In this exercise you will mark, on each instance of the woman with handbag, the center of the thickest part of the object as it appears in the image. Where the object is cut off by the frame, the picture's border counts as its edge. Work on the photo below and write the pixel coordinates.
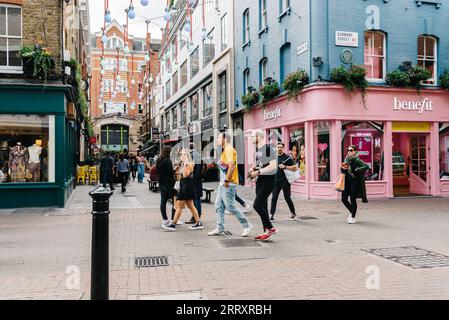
(354, 169)
(166, 173)
(286, 166)
(186, 192)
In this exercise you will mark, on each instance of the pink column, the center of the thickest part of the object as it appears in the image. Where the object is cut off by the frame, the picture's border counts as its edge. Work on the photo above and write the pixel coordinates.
(434, 161)
(335, 145)
(310, 155)
(388, 158)
(285, 137)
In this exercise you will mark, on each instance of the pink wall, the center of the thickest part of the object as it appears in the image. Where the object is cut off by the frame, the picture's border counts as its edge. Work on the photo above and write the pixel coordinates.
(334, 103)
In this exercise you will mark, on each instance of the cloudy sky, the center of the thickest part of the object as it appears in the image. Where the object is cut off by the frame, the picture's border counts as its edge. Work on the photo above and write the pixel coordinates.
(137, 26)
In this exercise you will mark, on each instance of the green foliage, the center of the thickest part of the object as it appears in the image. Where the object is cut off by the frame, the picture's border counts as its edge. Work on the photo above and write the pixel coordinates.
(295, 82)
(42, 60)
(354, 78)
(269, 90)
(417, 75)
(444, 80)
(250, 99)
(398, 78)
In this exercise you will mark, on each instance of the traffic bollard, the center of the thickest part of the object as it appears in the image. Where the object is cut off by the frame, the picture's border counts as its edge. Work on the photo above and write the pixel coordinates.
(99, 286)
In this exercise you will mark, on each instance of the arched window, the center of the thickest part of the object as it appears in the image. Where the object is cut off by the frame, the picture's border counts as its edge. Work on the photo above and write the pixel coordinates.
(285, 61)
(114, 42)
(263, 70)
(246, 26)
(375, 55)
(427, 56)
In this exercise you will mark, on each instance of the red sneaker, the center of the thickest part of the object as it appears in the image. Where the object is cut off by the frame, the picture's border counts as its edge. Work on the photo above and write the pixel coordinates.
(259, 238)
(272, 231)
(266, 237)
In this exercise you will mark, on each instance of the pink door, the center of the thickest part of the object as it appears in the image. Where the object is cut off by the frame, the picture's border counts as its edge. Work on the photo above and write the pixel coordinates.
(419, 164)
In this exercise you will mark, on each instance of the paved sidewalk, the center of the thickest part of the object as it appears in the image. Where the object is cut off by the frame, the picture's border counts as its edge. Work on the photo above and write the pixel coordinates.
(318, 258)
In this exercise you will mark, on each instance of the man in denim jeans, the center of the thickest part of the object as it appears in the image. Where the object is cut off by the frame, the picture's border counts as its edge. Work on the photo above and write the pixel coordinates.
(229, 180)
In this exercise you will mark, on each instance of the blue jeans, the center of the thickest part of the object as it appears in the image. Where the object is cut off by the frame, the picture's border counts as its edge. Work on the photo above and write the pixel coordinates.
(226, 200)
(140, 172)
(197, 203)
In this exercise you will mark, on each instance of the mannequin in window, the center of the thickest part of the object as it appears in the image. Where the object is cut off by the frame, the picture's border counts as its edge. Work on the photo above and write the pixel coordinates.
(34, 164)
(18, 163)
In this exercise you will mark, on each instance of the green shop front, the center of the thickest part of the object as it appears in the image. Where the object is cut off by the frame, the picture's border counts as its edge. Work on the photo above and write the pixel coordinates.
(38, 145)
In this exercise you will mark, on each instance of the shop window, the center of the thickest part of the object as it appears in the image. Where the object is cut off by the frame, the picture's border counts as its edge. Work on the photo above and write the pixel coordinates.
(27, 148)
(368, 137)
(444, 151)
(375, 55)
(275, 136)
(427, 56)
(321, 135)
(297, 147)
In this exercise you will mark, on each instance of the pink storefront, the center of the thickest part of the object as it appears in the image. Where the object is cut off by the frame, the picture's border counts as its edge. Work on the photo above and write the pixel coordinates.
(402, 136)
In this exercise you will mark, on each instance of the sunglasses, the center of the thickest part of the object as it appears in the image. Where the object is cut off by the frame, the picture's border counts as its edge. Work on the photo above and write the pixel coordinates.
(350, 150)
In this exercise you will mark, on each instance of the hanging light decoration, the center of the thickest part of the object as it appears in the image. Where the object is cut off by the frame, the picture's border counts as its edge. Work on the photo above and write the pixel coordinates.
(102, 72)
(144, 2)
(151, 78)
(187, 26)
(147, 57)
(126, 49)
(118, 77)
(204, 33)
(104, 38)
(131, 12)
(133, 82)
(167, 16)
(107, 16)
(103, 61)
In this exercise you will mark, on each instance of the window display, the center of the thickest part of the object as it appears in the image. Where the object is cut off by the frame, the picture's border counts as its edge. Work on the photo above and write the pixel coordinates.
(444, 150)
(27, 148)
(297, 147)
(321, 134)
(368, 137)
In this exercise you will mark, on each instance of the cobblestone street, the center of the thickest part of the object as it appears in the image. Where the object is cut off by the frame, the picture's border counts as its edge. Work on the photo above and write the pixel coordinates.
(316, 257)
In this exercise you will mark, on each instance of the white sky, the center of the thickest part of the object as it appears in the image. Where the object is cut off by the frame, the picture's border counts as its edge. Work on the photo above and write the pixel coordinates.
(137, 26)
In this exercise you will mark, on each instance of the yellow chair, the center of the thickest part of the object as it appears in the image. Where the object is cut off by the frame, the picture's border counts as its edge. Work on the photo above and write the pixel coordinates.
(93, 175)
(81, 175)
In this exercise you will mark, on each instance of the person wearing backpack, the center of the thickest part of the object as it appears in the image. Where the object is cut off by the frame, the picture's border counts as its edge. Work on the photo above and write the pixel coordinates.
(281, 182)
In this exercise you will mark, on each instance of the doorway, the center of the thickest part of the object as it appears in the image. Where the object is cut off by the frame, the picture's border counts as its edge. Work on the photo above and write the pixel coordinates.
(410, 164)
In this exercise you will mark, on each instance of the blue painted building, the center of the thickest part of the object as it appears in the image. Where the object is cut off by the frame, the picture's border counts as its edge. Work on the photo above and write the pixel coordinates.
(275, 37)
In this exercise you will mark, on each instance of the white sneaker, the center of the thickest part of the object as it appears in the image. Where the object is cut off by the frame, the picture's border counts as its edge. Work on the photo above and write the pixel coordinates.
(165, 222)
(215, 232)
(247, 231)
(352, 220)
(180, 222)
(227, 212)
(246, 208)
(348, 218)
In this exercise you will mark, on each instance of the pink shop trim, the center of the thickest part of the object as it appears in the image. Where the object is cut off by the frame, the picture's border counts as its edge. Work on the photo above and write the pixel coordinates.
(403, 136)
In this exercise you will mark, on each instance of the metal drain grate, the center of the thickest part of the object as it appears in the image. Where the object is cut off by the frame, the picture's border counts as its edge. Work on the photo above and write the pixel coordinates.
(413, 257)
(307, 218)
(148, 262)
(239, 243)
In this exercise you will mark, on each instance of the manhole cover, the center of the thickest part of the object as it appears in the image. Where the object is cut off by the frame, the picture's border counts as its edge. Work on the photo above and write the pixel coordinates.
(413, 257)
(147, 262)
(307, 218)
(238, 243)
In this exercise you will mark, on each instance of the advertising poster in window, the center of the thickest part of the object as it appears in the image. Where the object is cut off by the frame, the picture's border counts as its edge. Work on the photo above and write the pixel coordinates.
(364, 143)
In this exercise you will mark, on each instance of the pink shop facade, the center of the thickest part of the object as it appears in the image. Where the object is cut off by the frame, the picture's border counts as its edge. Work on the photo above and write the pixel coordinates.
(403, 136)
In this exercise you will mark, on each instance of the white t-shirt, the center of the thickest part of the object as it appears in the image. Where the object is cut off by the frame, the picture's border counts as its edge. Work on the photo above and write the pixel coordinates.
(34, 152)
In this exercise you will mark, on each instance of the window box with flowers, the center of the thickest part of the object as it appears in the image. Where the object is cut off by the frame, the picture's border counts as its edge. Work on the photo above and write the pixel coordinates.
(295, 82)
(250, 99)
(353, 78)
(413, 77)
(38, 60)
(444, 80)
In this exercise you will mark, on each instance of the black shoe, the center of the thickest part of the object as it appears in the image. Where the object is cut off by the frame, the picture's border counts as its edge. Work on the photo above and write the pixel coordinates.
(170, 227)
(112, 189)
(197, 226)
(191, 221)
(272, 217)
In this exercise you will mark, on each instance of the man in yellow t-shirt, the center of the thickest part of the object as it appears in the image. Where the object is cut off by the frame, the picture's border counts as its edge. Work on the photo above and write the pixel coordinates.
(229, 180)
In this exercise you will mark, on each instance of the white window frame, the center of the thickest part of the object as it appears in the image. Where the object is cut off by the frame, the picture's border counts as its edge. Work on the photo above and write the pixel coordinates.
(246, 75)
(423, 58)
(285, 5)
(384, 56)
(109, 44)
(263, 70)
(246, 33)
(263, 14)
(7, 68)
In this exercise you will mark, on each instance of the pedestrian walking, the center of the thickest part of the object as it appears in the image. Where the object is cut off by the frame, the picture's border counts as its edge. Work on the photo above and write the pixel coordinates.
(227, 189)
(164, 167)
(133, 166)
(106, 168)
(264, 170)
(123, 171)
(186, 192)
(198, 172)
(140, 169)
(354, 169)
(285, 162)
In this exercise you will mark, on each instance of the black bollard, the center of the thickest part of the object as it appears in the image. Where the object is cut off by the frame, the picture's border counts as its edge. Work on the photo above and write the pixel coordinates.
(99, 286)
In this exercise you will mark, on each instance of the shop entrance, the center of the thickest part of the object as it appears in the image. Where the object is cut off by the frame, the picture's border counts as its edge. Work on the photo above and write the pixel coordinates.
(410, 164)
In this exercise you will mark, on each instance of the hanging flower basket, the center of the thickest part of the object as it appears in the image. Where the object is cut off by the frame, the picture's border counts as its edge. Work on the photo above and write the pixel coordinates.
(41, 61)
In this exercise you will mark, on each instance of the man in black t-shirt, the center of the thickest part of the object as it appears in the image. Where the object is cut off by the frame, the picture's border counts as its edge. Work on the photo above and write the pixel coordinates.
(264, 170)
(285, 162)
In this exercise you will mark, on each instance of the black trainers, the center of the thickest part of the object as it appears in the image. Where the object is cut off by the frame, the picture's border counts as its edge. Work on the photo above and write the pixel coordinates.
(170, 227)
(191, 221)
(272, 217)
(197, 226)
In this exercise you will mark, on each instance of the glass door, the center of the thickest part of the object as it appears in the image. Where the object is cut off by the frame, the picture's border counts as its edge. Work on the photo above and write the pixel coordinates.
(419, 171)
